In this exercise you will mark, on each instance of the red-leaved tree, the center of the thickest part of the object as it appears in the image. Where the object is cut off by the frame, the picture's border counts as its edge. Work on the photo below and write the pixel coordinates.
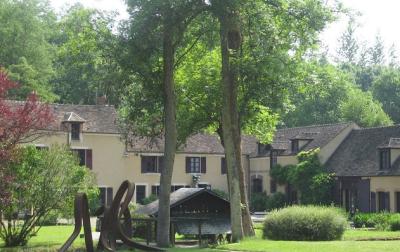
(20, 122)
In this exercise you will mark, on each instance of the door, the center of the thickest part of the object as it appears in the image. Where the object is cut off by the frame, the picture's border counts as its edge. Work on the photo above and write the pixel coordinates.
(140, 193)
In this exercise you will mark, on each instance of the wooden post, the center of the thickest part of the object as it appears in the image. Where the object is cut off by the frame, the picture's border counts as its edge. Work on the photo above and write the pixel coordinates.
(172, 233)
(148, 231)
(200, 241)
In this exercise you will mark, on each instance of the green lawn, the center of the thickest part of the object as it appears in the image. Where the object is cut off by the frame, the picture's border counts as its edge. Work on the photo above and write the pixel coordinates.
(50, 239)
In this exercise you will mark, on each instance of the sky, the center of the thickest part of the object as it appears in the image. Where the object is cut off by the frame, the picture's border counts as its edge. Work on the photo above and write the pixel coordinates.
(377, 16)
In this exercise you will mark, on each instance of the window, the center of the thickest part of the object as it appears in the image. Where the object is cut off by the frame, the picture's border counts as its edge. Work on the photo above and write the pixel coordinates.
(272, 186)
(223, 165)
(383, 201)
(75, 131)
(106, 196)
(295, 146)
(384, 156)
(196, 165)
(256, 185)
(274, 158)
(152, 164)
(155, 190)
(85, 157)
(140, 193)
(176, 187)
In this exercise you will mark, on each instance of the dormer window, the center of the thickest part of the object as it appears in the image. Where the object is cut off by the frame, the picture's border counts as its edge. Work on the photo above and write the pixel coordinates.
(295, 145)
(384, 156)
(75, 131)
(74, 124)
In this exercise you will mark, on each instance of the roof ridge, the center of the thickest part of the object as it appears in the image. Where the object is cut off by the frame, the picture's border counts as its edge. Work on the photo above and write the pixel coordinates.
(378, 127)
(317, 125)
(64, 104)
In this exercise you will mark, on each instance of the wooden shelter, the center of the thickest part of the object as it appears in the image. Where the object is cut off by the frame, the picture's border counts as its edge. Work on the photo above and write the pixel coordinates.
(195, 211)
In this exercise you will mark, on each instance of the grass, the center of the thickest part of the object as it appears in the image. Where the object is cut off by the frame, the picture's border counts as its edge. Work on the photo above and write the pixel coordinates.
(51, 238)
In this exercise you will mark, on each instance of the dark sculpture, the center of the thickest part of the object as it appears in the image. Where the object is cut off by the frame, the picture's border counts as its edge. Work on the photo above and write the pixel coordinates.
(111, 226)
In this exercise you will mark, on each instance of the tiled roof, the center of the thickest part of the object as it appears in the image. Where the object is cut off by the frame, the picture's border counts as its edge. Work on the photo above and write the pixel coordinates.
(95, 118)
(199, 143)
(358, 154)
(318, 136)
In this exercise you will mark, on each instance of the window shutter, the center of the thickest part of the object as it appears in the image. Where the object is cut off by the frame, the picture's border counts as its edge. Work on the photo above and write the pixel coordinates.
(223, 165)
(109, 196)
(203, 163)
(102, 196)
(89, 159)
(187, 164)
(143, 164)
(387, 201)
(160, 164)
(373, 202)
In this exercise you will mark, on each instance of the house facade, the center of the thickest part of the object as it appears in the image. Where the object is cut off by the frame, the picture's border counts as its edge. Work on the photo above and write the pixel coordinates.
(365, 161)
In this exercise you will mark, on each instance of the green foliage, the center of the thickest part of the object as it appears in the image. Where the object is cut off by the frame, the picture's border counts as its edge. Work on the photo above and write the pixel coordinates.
(308, 176)
(258, 201)
(26, 30)
(362, 109)
(380, 221)
(86, 57)
(305, 223)
(281, 173)
(386, 89)
(149, 199)
(45, 181)
(264, 202)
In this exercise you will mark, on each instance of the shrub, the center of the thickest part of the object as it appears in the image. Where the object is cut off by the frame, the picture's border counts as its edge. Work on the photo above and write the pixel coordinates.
(275, 201)
(258, 202)
(381, 221)
(305, 223)
(149, 199)
(395, 222)
(45, 181)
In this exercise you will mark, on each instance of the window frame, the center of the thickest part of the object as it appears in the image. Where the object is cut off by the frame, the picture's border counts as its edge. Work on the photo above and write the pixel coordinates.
(384, 159)
(158, 164)
(75, 131)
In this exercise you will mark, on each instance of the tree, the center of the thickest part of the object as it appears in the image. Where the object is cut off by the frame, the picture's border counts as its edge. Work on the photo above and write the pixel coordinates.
(44, 181)
(169, 20)
(20, 122)
(25, 45)
(361, 108)
(86, 59)
(230, 37)
(386, 89)
(377, 51)
(349, 46)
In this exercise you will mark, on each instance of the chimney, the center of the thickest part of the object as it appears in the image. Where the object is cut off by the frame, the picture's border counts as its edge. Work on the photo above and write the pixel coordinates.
(101, 100)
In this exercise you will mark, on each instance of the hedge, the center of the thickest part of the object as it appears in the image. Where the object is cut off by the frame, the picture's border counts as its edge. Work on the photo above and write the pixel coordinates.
(305, 223)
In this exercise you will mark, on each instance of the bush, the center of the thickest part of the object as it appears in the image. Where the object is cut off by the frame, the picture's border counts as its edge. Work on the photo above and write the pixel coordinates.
(149, 199)
(258, 202)
(395, 222)
(275, 201)
(381, 221)
(305, 223)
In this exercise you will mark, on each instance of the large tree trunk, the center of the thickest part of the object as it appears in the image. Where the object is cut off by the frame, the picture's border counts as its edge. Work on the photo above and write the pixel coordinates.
(163, 220)
(231, 129)
(248, 229)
